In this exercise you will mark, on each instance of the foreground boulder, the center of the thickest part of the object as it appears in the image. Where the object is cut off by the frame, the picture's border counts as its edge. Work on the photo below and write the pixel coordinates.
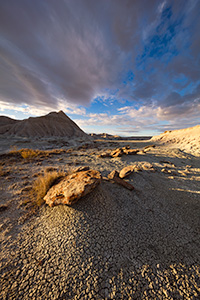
(72, 187)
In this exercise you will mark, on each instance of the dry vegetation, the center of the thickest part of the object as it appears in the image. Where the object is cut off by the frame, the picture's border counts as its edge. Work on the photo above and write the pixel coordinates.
(42, 184)
(3, 172)
(30, 154)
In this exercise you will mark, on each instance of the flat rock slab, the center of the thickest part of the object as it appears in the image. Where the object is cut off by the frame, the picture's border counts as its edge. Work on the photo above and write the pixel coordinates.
(72, 187)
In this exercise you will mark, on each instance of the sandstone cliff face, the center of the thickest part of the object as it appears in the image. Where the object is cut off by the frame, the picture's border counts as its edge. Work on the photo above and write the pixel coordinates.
(53, 124)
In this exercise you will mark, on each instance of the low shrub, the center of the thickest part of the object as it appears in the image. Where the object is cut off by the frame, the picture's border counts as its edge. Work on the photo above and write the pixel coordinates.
(29, 153)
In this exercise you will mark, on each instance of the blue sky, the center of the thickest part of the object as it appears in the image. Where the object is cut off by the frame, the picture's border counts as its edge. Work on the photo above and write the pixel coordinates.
(118, 66)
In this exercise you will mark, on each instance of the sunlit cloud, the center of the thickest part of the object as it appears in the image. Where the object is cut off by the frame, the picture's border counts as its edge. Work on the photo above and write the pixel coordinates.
(93, 57)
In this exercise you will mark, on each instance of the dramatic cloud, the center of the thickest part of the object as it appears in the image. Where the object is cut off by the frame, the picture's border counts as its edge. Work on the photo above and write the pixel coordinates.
(70, 54)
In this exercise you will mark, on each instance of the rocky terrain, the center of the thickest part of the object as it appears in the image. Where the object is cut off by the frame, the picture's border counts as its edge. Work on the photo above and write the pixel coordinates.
(131, 229)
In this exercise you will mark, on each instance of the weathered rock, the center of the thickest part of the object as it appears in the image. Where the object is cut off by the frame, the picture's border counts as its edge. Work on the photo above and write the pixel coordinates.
(117, 153)
(125, 147)
(114, 175)
(167, 164)
(126, 171)
(103, 155)
(131, 151)
(124, 183)
(172, 172)
(105, 178)
(164, 170)
(148, 166)
(137, 169)
(143, 165)
(72, 187)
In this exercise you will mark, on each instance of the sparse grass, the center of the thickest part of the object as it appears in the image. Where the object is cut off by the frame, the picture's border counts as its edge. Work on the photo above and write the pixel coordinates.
(30, 154)
(42, 184)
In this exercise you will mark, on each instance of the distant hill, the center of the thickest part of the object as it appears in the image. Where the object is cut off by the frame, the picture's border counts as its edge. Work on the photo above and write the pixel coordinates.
(187, 139)
(117, 137)
(54, 124)
(5, 121)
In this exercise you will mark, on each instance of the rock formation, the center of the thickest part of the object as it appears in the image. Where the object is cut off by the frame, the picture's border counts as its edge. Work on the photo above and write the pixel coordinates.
(52, 125)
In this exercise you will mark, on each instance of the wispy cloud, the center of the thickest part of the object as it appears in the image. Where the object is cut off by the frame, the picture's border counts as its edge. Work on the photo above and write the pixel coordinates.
(64, 54)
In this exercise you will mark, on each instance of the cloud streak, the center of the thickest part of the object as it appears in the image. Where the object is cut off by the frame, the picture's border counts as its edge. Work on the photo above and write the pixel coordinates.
(65, 53)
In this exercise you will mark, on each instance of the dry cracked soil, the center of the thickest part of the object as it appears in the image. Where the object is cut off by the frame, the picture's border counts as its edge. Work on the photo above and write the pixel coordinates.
(113, 243)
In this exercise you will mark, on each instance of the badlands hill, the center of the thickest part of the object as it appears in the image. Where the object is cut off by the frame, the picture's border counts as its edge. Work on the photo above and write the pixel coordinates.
(6, 121)
(56, 124)
(185, 139)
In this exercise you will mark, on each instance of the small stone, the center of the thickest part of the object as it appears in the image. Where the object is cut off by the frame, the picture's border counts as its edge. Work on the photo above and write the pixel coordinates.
(126, 171)
(131, 151)
(124, 183)
(113, 174)
(103, 155)
(126, 147)
(117, 153)
(137, 169)
(148, 166)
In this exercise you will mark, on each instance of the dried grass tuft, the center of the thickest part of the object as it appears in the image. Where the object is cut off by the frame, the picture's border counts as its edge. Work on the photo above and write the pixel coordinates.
(42, 184)
(29, 153)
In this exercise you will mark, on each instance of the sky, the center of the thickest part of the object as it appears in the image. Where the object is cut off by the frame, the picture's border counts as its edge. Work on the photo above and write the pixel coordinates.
(125, 67)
